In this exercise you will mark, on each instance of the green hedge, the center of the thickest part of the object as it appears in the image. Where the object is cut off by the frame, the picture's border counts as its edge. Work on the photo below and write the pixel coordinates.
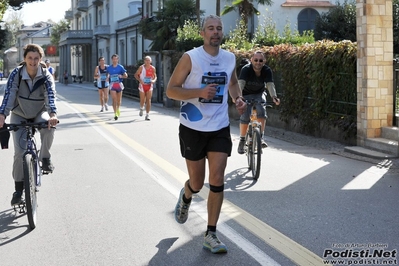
(316, 82)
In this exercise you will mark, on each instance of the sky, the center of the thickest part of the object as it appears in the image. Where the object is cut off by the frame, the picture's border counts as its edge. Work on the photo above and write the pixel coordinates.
(42, 11)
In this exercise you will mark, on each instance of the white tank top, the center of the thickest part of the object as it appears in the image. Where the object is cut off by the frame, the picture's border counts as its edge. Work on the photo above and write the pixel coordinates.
(212, 115)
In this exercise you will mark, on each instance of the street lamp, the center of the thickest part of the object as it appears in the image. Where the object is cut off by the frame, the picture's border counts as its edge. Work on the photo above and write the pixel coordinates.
(77, 52)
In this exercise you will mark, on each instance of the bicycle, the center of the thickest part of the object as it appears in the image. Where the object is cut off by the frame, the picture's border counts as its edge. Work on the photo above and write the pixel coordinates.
(31, 168)
(253, 139)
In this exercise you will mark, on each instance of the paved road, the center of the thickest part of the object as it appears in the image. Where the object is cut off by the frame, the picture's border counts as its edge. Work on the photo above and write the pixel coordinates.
(111, 198)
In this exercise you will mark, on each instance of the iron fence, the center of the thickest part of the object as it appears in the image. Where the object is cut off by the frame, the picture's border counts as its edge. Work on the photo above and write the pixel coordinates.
(396, 91)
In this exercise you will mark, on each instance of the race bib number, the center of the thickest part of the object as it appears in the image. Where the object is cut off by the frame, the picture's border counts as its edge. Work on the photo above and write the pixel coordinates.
(218, 78)
(103, 77)
(147, 80)
(114, 78)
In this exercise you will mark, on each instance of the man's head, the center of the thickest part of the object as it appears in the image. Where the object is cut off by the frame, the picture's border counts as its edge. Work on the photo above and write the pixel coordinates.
(258, 60)
(147, 60)
(212, 30)
(115, 59)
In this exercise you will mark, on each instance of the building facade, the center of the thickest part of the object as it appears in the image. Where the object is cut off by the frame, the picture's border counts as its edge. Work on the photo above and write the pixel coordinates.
(38, 33)
(107, 27)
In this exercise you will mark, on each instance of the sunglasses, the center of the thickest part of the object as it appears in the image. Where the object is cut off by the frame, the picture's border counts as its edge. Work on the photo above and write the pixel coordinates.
(258, 60)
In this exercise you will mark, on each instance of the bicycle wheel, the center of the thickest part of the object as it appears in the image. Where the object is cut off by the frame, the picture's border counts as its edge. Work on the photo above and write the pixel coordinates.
(256, 153)
(248, 149)
(30, 172)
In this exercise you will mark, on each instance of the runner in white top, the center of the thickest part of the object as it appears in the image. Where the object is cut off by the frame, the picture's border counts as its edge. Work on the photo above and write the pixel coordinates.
(202, 80)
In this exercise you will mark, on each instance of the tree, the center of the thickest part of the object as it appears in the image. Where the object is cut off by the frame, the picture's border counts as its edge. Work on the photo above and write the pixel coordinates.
(18, 4)
(3, 39)
(337, 24)
(162, 28)
(245, 8)
(13, 25)
(15, 4)
(57, 29)
(197, 7)
(340, 24)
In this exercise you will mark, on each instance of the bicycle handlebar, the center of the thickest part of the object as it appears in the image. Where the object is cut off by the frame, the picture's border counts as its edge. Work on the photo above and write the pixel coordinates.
(252, 102)
(15, 127)
(5, 130)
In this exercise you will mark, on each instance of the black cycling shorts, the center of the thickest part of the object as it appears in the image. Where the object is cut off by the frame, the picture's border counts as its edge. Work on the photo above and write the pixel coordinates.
(194, 145)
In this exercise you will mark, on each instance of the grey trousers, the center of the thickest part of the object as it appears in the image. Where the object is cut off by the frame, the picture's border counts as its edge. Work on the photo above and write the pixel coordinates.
(19, 139)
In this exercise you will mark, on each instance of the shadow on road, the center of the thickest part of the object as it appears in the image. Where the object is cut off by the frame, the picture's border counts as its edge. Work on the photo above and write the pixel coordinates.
(239, 179)
(10, 228)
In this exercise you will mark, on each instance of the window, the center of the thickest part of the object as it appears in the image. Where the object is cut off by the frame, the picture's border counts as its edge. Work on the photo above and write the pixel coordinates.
(122, 52)
(133, 45)
(148, 8)
(306, 19)
(108, 23)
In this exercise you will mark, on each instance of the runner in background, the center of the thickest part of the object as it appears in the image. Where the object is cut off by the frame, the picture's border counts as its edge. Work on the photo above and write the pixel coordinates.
(102, 77)
(146, 76)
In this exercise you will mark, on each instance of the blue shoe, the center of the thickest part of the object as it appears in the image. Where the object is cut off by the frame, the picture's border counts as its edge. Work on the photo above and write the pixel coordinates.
(212, 243)
(181, 209)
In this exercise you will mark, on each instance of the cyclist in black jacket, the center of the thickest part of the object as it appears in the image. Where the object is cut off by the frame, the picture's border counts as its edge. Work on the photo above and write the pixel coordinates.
(254, 78)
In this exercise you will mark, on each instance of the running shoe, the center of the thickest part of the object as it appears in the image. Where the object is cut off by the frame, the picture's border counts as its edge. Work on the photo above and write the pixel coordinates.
(181, 209)
(241, 145)
(106, 107)
(264, 144)
(116, 117)
(17, 198)
(141, 112)
(212, 243)
(147, 117)
(118, 113)
(102, 109)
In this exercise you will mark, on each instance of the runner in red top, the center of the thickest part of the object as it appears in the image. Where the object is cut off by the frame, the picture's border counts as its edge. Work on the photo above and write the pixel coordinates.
(147, 76)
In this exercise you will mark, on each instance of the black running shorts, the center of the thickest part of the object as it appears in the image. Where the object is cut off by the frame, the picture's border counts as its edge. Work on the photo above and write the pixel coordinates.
(194, 145)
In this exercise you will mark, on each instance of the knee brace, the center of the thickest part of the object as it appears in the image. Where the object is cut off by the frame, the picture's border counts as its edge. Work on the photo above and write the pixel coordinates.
(216, 189)
(189, 187)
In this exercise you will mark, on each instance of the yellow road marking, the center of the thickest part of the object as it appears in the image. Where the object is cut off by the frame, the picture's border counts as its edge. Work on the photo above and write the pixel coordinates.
(288, 247)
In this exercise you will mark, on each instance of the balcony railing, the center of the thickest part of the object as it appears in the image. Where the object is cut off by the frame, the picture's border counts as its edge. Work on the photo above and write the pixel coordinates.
(68, 15)
(83, 5)
(102, 30)
(77, 13)
(98, 2)
(129, 21)
(76, 34)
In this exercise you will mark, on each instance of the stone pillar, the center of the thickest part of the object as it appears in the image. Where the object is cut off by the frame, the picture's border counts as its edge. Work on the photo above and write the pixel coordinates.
(374, 67)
